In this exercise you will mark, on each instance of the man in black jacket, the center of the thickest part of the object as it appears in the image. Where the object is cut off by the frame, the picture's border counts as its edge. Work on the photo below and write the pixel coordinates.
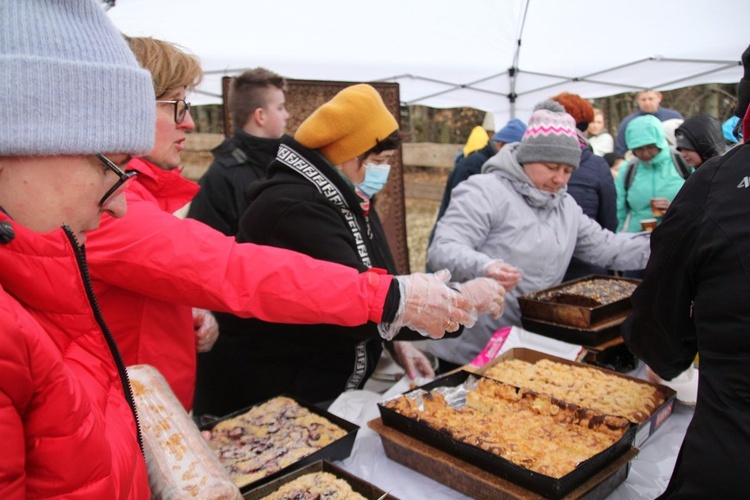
(257, 107)
(693, 300)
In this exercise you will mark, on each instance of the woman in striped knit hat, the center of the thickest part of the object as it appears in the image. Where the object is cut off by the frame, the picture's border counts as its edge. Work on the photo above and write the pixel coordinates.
(517, 217)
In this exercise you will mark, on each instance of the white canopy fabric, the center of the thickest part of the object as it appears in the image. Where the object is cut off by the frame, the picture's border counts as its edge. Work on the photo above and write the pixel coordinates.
(449, 54)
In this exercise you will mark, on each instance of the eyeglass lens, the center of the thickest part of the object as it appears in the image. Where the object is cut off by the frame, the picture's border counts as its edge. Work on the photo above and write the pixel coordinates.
(181, 107)
(123, 178)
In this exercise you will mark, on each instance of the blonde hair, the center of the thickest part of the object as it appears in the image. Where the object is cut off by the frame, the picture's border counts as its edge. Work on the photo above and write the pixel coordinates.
(170, 65)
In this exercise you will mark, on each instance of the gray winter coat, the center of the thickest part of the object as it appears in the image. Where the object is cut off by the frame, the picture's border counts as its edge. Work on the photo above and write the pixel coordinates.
(499, 214)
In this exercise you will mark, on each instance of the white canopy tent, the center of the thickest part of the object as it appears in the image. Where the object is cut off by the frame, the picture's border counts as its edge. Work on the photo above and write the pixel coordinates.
(500, 56)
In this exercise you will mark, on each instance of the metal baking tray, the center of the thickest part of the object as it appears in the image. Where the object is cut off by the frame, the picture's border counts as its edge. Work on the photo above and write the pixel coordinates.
(477, 483)
(592, 336)
(554, 306)
(367, 490)
(337, 450)
(485, 460)
(645, 428)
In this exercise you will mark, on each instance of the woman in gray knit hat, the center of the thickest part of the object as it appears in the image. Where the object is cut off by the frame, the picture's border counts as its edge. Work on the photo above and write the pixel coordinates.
(74, 106)
(516, 223)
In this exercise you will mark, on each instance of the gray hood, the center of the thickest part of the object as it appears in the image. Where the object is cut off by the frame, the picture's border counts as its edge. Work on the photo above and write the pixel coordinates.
(505, 165)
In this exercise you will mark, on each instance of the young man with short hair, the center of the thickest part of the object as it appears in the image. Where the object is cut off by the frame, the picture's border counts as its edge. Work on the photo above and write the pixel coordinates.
(257, 107)
(649, 103)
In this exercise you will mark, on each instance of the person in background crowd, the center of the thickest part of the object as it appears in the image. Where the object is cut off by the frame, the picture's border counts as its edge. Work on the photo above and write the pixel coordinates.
(614, 161)
(478, 138)
(472, 163)
(67, 418)
(316, 200)
(591, 184)
(516, 219)
(727, 128)
(693, 301)
(656, 176)
(257, 107)
(150, 268)
(700, 138)
(670, 126)
(743, 97)
(600, 140)
(649, 103)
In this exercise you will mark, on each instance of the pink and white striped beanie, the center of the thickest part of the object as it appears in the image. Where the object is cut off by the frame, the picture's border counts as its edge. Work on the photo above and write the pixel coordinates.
(550, 137)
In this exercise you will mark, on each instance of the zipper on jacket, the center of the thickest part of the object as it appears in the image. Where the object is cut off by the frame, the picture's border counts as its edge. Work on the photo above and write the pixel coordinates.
(114, 350)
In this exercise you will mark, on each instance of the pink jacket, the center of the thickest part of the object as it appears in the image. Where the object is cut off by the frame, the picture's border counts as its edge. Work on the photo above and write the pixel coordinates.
(66, 427)
(149, 268)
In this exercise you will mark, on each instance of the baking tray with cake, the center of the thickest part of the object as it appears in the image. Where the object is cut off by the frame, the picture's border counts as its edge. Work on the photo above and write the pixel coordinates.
(466, 416)
(263, 442)
(480, 484)
(644, 403)
(583, 303)
(321, 471)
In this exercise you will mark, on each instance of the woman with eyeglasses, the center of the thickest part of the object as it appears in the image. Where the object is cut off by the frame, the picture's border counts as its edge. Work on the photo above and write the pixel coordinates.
(150, 267)
(67, 418)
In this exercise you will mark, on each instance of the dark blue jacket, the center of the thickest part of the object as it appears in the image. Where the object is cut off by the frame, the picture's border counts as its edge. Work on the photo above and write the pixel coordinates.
(593, 188)
(464, 168)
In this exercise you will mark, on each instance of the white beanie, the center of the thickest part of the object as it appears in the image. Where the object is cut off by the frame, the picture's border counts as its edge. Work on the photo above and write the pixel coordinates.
(69, 84)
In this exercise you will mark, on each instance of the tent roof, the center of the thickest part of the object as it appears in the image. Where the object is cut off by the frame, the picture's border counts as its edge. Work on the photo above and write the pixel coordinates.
(450, 54)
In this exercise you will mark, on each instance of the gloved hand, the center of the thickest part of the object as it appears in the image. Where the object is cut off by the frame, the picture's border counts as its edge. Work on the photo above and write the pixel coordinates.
(429, 307)
(486, 294)
(412, 360)
(206, 329)
(507, 275)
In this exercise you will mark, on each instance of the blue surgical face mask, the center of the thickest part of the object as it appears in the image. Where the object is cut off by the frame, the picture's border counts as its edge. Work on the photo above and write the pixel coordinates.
(376, 175)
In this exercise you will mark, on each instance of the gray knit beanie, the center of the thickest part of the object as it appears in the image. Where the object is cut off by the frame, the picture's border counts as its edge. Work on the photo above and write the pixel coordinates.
(550, 137)
(69, 84)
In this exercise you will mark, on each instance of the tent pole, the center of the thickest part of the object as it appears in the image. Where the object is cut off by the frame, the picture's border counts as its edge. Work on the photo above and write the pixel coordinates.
(513, 71)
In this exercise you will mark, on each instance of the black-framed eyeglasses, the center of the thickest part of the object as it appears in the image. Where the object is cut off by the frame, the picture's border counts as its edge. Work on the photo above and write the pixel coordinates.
(124, 177)
(181, 108)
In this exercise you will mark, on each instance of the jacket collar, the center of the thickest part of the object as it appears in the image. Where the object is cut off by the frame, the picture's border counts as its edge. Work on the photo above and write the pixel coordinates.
(249, 142)
(168, 186)
(40, 270)
(506, 165)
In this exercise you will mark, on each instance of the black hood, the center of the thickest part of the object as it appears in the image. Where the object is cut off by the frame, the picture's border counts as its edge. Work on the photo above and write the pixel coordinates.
(701, 134)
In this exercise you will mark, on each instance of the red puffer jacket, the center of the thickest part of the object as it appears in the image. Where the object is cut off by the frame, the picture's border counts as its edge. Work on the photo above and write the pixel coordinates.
(66, 426)
(149, 268)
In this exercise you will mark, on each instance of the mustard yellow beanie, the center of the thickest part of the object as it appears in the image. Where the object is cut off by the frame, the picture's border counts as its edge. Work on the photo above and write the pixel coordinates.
(348, 125)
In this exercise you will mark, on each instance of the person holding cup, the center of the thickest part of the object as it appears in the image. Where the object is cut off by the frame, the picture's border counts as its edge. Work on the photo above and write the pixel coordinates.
(655, 181)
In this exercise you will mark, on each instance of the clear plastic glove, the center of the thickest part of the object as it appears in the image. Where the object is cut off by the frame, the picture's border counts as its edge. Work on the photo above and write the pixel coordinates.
(412, 360)
(507, 275)
(487, 295)
(429, 307)
(206, 329)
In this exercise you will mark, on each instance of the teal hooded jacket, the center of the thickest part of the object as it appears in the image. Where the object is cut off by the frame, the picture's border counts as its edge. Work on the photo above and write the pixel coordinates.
(655, 179)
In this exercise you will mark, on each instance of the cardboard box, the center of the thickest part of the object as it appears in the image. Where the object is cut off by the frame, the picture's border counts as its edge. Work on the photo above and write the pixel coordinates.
(645, 429)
